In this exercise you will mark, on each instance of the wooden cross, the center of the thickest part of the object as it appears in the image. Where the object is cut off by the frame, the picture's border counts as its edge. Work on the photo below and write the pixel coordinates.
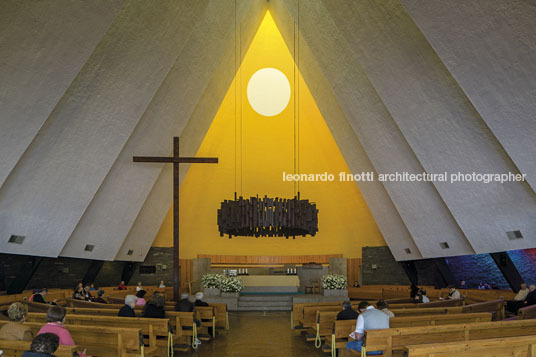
(176, 160)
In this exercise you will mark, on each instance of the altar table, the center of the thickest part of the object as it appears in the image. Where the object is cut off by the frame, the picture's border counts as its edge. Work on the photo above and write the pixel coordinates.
(271, 283)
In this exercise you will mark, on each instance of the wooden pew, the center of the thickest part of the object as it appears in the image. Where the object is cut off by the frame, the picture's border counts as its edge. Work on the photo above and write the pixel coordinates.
(16, 348)
(496, 307)
(222, 316)
(425, 311)
(509, 346)
(528, 312)
(326, 324)
(153, 328)
(100, 341)
(394, 339)
(339, 335)
(207, 316)
(440, 303)
(186, 329)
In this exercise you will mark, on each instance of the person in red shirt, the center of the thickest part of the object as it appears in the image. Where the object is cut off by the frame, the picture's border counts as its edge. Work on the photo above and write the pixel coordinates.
(122, 286)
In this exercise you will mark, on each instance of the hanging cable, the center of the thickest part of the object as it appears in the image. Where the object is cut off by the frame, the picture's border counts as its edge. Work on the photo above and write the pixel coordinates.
(241, 117)
(235, 90)
(298, 99)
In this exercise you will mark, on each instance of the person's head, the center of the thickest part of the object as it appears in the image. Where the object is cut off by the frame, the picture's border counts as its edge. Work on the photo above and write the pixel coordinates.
(92, 285)
(35, 291)
(141, 294)
(523, 286)
(462, 283)
(131, 300)
(45, 343)
(157, 300)
(452, 287)
(139, 283)
(532, 287)
(100, 293)
(17, 312)
(56, 313)
(87, 287)
(346, 305)
(422, 292)
(43, 292)
(185, 296)
(362, 306)
(381, 304)
(122, 282)
(80, 285)
(199, 296)
(162, 282)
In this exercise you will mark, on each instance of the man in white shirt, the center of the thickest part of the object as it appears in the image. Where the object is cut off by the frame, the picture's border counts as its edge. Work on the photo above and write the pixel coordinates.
(514, 305)
(369, 319)
(453, 293)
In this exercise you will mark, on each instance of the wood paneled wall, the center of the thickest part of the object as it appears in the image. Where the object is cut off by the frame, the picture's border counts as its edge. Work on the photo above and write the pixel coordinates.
(268, 260)
(186, 273)
(353, 270)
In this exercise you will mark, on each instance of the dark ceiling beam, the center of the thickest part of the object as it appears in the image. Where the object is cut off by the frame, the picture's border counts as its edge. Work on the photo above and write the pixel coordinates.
(92, 271)
(24, 275)
(508, 269)
(445, 272)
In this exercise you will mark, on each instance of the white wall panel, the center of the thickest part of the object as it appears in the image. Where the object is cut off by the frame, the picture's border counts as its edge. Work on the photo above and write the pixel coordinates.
(39, 58)
(490, 48)
(59, 174)
(439, 123)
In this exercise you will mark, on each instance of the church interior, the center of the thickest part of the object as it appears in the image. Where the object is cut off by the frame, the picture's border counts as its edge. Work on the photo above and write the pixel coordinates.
(267, 178)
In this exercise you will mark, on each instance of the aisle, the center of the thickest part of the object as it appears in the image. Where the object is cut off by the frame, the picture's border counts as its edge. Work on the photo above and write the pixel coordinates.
(257, 334)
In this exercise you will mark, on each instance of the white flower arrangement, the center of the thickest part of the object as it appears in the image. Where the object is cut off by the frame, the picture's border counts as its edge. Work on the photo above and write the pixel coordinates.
(334, 282)
(231, 284)
(212, 280)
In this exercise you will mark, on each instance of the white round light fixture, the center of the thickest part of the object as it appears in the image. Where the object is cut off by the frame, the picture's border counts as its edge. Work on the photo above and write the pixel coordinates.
(268, 91)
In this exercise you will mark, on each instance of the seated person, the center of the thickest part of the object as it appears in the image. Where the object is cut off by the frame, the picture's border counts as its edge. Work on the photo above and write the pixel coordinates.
(453, 293)
(100, 298)
(55, 321)
(199, 300)
(184, 304)
(79, 293)
(369, 319)
(531, 297)
(384, 307)
(122, 286)
(141, 298)
(40, 298)
(44, 344)
(155, 307)
(413, 289)
(128, 309)
(347, 313)
(35, 292)
(88, 295)
(15, 330)
(162, 285)
(422, 296)
(518, 302)
(139, 287)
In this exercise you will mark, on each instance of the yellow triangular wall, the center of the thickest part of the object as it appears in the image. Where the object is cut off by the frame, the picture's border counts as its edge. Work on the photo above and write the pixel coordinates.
(345, 222)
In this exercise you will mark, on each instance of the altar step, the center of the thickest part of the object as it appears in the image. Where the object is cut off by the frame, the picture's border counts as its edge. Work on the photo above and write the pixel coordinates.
(265, 303)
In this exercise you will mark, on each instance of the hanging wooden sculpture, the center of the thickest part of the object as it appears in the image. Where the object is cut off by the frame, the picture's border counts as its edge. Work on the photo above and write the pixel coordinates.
(268, 217)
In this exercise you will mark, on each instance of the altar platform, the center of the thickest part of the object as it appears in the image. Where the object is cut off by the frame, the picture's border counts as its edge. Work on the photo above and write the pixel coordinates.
(270, 283)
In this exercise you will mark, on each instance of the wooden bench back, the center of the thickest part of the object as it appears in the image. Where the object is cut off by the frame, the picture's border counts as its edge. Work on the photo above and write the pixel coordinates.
(106, 341)
(391, 339)
(151, 327)
(427, 311)
(528, 312)
(496, 307)
(184, 322)
(509, 346)
(432, 320)
(440, 303)
(17, 348)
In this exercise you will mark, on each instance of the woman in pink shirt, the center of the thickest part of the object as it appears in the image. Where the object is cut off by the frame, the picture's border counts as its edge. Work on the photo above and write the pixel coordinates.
(141, 298)
(55, 320)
